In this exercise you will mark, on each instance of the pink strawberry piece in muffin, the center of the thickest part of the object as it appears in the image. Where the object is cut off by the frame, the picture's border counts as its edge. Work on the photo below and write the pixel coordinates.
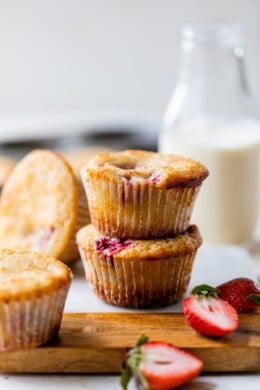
(110, 246)
(138, 273)
(45, 237)
(154, 178)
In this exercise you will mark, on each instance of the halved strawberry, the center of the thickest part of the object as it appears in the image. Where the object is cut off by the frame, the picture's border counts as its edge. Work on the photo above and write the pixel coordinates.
(209, 315)
(157, 365)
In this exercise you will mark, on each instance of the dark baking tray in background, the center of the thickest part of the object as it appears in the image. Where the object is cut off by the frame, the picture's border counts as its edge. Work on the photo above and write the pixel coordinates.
(118, 140)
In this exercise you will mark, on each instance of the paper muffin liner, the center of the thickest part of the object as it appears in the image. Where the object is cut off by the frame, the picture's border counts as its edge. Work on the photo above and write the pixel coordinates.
(138, 210)
(31, 322)
(138, 283)
(71, 252)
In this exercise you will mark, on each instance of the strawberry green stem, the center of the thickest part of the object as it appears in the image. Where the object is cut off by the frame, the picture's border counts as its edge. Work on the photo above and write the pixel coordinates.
(204, 291)
(254, 298)
(135, 356)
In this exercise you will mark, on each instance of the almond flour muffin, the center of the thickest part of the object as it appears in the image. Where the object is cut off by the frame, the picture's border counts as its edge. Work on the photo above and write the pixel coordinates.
(139, 194)
(77, 159)
(33, 290)
(38, 206)
(138, 273)
(6, 167)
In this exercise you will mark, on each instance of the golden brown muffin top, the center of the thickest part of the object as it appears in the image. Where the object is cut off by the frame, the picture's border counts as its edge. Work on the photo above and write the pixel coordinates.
(89, 238)
(30, 274)
(160, 170)
(38, 206)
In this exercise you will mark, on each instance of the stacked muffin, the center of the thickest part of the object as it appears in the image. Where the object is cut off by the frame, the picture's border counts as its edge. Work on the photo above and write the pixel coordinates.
(139, 250)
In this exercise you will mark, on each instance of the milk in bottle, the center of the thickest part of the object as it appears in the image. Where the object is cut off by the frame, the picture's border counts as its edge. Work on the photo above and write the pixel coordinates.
(212, 119)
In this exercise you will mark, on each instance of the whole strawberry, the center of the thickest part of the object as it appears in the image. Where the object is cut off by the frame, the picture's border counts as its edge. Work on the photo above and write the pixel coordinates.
(156, 365)
(242, 293)
(208, 314)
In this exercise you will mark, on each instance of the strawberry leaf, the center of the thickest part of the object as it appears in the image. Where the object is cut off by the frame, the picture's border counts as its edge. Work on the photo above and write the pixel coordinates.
(134, 358)
(204, 290)
(142, 340)
(125, 377)
(254, 298)
(141, 380)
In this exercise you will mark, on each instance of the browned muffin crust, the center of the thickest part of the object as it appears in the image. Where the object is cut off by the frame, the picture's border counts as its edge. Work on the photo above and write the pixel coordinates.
(160, 170)
(33, 290)
(149, 249)
(138, 273)
(38, 205)
(139, 194)
(30, 274)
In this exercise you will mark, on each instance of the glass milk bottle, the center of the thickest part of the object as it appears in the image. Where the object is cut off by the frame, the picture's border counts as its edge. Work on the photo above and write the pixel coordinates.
(211, 118)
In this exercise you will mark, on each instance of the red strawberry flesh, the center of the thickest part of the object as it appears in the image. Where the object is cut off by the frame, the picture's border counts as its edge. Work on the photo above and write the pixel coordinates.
(110, 246)
(238, 293)
(154, 178)
(210, 316)
(166, 366)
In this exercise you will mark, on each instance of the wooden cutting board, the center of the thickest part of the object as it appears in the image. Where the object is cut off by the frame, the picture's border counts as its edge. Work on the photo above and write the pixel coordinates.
(97, 342)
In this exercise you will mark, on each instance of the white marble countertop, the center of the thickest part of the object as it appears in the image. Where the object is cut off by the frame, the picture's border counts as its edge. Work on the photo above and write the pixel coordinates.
(87, 382)
(214, 264)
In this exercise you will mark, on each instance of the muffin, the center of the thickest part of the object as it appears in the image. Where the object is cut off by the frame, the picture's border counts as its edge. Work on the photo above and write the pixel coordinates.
(78, 159)
(139, 194)
(38, 206)
(138, 273)
(33, 291)
(6, 167)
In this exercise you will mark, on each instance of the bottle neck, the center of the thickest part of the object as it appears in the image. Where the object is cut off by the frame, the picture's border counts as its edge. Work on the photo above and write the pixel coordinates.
(213, 66)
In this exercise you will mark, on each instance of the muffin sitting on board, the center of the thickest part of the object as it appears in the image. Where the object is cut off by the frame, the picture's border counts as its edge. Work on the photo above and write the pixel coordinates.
(138, 273)
(38, 207)
(139, 194)
(33, 291)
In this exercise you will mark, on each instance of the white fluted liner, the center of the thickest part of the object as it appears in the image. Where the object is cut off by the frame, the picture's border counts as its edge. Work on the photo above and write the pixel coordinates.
(71, 252)
(137, 210)
(138, 283)
(31, 322)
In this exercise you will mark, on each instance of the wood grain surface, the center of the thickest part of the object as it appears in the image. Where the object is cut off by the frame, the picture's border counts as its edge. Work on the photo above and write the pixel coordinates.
(97, 342)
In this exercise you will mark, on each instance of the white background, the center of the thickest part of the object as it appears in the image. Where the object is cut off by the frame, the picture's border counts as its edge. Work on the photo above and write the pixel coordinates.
(103, 57)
